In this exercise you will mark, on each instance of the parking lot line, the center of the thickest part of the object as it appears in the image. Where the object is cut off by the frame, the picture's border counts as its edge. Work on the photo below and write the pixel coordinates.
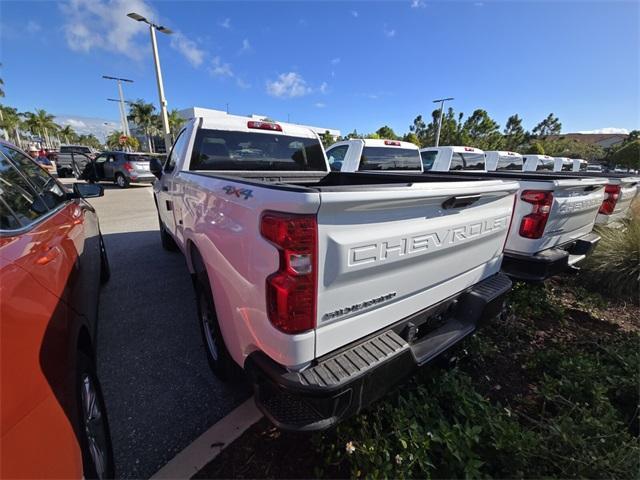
(208, 445)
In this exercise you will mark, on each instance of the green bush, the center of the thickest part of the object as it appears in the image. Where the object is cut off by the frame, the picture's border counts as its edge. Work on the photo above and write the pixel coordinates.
(614, 266)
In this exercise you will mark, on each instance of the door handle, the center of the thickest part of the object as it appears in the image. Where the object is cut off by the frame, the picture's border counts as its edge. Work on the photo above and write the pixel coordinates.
(48, 254)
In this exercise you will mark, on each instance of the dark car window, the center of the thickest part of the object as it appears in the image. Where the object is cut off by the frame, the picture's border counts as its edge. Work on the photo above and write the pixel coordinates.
(227, 150)
(428, 158)
(467, 161)
(567, 165)
(507, 162)
(137, 158)
(545, 165)
(389, 158)
(45, 185)
(19, 199)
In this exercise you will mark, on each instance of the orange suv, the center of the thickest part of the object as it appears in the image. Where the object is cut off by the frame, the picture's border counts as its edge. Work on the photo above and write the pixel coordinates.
(52, 261)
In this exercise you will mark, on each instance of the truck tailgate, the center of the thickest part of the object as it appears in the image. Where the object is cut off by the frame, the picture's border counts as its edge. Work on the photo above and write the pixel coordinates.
(628, 190)
(573, 213)
(385, 254)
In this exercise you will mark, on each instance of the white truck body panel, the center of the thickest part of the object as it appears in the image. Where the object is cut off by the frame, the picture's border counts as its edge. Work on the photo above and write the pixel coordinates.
(629, 187)
(538, 163)
(503, 161)
(355, 148)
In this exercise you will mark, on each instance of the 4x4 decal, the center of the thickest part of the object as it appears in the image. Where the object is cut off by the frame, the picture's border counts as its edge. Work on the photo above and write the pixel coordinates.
(246, 193)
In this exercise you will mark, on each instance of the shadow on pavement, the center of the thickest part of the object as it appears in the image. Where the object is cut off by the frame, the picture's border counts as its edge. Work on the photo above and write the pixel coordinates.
(160, 392)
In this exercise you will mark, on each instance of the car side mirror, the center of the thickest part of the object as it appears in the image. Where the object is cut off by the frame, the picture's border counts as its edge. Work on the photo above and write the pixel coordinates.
(156, 167)
(87, 190)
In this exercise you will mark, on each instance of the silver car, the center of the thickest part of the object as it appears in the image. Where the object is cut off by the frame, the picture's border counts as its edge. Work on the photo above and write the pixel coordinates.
(122, 168)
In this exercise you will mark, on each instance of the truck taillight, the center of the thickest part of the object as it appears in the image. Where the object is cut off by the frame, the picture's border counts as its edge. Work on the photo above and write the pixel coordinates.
(292, 290)
(127, 166)
(532, 225)
(611, 196)
(395, 143)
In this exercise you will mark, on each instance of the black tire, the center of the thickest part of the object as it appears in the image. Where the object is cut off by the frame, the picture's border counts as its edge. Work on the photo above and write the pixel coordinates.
(168, 243)
(105, 269)
(121, 180)
(218, 356)
(93, 426)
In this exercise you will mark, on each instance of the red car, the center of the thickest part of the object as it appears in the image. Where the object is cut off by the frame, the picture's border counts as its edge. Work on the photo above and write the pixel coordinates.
(52, 260)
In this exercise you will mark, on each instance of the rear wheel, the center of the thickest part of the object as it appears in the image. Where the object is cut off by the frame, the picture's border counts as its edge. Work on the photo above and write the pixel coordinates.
(121, 181)
(218, 356)
(95, 439)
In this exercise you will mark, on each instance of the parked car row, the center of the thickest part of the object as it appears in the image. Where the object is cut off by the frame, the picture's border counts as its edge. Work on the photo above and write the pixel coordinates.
(329, 276)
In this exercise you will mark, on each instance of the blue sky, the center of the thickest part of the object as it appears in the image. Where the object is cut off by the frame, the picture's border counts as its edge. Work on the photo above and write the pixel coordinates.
(333, 64)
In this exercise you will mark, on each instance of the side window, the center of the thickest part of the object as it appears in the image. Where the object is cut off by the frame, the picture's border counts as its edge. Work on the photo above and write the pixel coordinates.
(428, 158)
(45, 185)
(336, 157)
(20, 205)
(101, 158)
(457, 162)
(178, 146)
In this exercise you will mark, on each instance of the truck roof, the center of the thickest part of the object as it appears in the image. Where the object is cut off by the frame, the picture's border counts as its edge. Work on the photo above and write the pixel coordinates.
(239, 123)
(379, 142)
(455, 148)
(504, 153)
(538, 157)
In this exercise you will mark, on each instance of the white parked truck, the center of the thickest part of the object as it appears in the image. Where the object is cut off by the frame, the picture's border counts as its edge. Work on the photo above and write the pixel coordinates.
(565, 164)
(325, 287)
(374, 155)
(554, 216)
(453, 159)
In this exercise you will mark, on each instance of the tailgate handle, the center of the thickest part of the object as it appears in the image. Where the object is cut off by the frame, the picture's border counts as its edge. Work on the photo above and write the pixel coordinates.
(460, 201)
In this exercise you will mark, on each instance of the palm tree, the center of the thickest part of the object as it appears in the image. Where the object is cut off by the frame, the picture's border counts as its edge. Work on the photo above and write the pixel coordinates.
(11, 122)
(143, 115)
(1, 86)
(175, 123)
(67, 133)
(40, 123)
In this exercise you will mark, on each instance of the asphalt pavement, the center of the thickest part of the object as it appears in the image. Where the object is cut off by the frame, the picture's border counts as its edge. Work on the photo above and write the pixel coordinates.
(159, 390)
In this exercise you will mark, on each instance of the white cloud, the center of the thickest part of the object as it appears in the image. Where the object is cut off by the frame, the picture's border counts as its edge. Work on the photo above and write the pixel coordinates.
(220, 69)
(99, 24)
(355, 14)
(418, 4)
(242, 84)
(188, 48)
(607, 130)
(288, 85)
(389, 32)
(319, 105)
(33, 26)
(335, 61)
(74, 123)
(324, 88)
(226, 23)
(246, 46)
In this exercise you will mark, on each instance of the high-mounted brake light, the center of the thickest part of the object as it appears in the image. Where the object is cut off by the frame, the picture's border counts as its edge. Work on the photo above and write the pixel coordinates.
(469, 149)
(264, 126)
(611, 196)
(292, 290)
(532, 225)
(392, 142)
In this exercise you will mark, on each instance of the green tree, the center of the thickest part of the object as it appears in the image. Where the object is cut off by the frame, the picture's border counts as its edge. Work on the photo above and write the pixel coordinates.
(327, 139)
(412, 138)
(419, 129)
(1, 86)
(40, 123)
(549, 126)
(11, 122)
(143, 115)
(514, 134)
(68, 134)
(387, 132)
(628, 156)
(175, 123)
(632, 137)
(90, 140)
(481, 131)
(373, 135)
(534, 148)
(572, 148)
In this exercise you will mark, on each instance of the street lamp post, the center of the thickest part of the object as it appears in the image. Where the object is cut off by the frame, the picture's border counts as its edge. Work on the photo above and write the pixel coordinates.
(441, 101)
(156, 59)
(123, 114)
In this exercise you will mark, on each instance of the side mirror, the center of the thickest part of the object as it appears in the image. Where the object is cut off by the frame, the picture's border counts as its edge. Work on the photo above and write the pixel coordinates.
(87, 190)
(156, 167)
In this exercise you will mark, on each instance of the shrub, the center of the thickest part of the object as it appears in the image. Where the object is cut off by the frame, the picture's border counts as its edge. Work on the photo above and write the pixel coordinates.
(614, 266)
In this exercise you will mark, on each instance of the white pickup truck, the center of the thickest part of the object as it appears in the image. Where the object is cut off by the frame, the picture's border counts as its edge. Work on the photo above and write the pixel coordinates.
(565, 164)
(325, 287)
(453, 159)
(374, 155)
(553, 216)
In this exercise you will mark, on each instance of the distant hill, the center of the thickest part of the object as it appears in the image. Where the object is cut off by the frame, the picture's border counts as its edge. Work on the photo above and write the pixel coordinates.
(605, 140)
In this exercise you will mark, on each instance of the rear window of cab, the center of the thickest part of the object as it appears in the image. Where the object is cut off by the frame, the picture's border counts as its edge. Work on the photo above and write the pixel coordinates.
(389, 158)
(229, 150)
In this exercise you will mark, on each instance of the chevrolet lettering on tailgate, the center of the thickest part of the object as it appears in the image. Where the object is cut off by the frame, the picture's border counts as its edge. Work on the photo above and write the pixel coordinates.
(423, 243)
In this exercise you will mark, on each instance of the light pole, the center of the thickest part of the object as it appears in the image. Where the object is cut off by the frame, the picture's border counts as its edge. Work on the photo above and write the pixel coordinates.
(123, 114)
(441, 101)
(156, 59)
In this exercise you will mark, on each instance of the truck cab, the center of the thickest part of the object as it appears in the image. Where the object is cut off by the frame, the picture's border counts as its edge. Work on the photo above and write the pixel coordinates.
(452, 159)
(503, 161)
(538, 163)
(374, 155)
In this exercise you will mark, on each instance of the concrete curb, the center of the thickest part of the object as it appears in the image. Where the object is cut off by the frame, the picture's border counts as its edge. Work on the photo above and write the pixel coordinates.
(209, 445)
